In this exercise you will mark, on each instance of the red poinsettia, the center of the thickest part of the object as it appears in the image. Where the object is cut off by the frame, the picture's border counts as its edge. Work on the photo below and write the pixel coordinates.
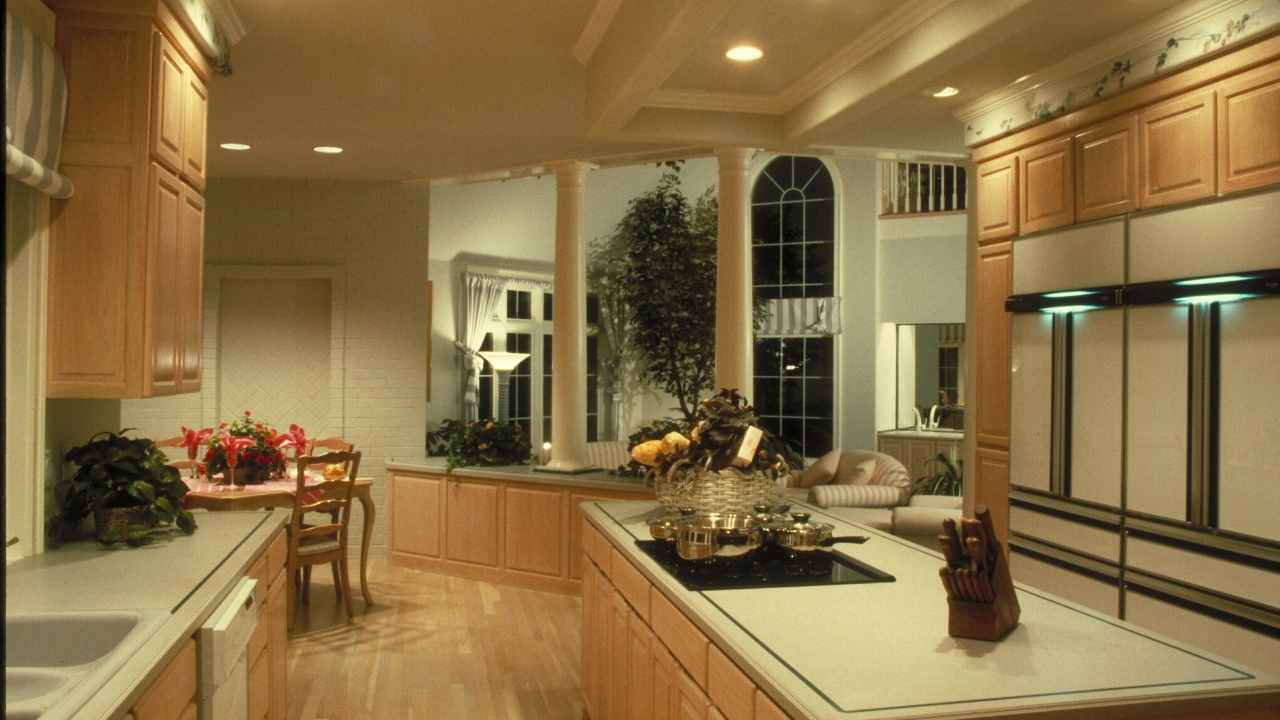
(193, 439)
(232, 446)
(297, 438)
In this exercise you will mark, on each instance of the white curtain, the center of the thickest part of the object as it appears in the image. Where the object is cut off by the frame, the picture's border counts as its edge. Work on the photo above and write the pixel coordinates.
(480, 297)
(813, 316)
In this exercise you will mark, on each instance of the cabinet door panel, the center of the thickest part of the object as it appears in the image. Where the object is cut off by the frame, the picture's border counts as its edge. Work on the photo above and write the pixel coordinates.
(1249, 130)
(994, 279)
(920, 453)
(997, 187)
(576, 526)
(1107, 169)
(163, 292)
(1046, 186)
(728, 688)
(893, 448)
(665, 673)
(278, 647)
(1031, 392)
(620, 657)
(1177, 146)
(168, 96)
(195, 110)
(589, 667)
(640, 690)
(1202, 630)
(691, 702)
(190, 277)
(1074, 586)
(473, 522)
(416, 510)
(991, 487)
(534, 536)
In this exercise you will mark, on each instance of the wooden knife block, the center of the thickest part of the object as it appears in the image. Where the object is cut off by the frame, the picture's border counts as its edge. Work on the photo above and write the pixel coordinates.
(987, 621)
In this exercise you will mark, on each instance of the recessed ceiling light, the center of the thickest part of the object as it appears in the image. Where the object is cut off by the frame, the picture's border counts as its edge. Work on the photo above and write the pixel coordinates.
(946, 92)
(327, 149)
(234, 146)
(1022, 79)
(744, 53)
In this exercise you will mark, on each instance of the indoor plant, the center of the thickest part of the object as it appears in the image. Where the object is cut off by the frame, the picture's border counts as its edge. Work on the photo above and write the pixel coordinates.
(480, 442)
(947, 479)
(127, 487)
(257, 447)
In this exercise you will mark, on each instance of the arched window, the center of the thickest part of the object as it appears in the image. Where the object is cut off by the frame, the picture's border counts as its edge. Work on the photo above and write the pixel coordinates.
(793, 256)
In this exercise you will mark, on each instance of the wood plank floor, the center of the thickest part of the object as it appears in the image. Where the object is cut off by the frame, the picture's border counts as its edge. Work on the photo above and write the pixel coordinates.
(435, 647)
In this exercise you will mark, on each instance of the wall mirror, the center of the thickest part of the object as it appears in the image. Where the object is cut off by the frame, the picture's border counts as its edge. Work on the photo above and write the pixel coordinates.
(930, 376)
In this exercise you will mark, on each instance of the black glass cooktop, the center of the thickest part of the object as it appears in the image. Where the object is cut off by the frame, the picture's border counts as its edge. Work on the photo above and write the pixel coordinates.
(768, 567)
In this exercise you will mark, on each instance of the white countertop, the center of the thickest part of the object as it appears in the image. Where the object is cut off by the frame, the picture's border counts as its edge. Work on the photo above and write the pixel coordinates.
(881, 650)
(182, 576)
(519, 473)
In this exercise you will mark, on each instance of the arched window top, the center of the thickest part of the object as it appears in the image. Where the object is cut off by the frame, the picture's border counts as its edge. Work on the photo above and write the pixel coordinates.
(793, 229)
(791, 178)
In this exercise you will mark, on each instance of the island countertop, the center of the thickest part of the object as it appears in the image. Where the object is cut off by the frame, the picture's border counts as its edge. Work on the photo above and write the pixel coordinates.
(881, 650)
(598, 479)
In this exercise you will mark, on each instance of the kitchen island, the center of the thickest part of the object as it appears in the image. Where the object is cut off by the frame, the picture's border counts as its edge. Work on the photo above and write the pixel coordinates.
(879, 650)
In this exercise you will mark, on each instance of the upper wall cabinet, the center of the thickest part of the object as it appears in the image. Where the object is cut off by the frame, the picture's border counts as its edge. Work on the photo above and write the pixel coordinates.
(1177, 146)
(998, 198)
(1046, 197)
(1249, 130)
(1107, 169)
(127, 250)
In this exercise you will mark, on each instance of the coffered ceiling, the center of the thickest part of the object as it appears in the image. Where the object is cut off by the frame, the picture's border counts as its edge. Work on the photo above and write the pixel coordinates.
(425, 90)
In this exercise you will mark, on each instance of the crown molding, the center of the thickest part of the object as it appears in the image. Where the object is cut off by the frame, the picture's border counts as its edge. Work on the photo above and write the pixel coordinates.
(595, 162)
(1166, 24)
(594, 31)
(228, 20)
(717, 102)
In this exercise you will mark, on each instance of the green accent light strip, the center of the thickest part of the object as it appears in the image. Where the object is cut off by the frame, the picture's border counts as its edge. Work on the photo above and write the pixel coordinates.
(1064, 309)
(1218, 298)
(1215, 280)
(1069, 294)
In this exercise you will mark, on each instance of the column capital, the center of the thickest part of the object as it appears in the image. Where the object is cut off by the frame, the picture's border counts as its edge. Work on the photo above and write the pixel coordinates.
(570, 172)
(735, 156)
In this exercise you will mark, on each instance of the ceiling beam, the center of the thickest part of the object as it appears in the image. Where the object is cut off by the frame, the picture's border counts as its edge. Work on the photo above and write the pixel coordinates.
(593, 32)
(643, 46)
(958, 32)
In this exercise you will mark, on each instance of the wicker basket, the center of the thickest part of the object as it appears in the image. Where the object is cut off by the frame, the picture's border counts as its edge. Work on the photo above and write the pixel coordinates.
(729, 490)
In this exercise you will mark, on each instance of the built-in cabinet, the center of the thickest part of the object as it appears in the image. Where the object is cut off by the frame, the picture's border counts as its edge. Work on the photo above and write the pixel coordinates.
(1106, 174)
(917, 451)
(126, 251)
(1177, 160)
(508, 531)
(1046, 186)
(1248, 138)
(997, 192)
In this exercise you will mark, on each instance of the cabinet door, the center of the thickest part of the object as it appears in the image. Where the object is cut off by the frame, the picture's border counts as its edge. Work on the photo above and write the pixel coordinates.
(195, 113)
(190, 278)
(665, 673)
(1176, 139)
(997, 188)
(892, 447)
(1046, 186)
(691, 702)
(473, 522)
(589, 667)
(168, 93)
(278, 645)
(416, 505)
(260, 692)
(640, 690)
(1107, 169)
(164, 292)
(920, 452)
(620, 657)
(576, 521)
(169, 694)
(994, 283)
(535, 531)
(991, 487)
(1249, 130)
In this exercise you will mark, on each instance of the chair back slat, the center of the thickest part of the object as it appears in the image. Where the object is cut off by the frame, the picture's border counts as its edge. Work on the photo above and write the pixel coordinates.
(170, 442)
(334, 496)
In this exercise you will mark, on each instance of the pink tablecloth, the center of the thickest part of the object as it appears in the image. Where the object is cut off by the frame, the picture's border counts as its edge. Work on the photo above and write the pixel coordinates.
(282, 485)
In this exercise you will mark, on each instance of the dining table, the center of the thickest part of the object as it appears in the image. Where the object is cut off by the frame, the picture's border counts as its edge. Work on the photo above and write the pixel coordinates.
(216, 495)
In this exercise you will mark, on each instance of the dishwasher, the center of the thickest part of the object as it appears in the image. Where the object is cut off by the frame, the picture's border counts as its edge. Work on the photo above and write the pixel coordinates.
(224, 646)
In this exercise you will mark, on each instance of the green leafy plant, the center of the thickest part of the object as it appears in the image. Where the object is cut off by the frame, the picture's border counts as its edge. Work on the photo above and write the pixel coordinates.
(480, 442)
(116, 472)
(948, 478)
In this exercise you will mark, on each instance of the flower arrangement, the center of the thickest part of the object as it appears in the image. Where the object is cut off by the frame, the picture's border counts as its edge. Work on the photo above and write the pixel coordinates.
(250, 445)
(481, 442)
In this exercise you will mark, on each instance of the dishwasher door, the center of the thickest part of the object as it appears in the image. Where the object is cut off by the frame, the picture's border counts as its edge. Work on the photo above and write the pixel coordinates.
(224, 645)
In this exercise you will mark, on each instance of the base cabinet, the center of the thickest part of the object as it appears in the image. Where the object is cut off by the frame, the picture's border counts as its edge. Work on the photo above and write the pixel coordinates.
(917, 454)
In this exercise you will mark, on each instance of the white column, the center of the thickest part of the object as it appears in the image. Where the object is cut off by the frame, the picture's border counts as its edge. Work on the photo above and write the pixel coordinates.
(568, 326)
(733, 274)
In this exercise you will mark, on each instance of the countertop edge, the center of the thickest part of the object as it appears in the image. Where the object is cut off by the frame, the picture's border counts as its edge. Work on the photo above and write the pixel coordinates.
(597, 480)
(127, 685)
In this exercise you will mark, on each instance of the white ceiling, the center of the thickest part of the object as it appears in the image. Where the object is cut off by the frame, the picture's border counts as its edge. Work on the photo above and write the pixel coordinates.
(422, 89)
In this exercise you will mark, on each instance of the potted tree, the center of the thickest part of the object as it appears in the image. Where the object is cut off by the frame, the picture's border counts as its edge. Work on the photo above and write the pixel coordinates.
(128, 488)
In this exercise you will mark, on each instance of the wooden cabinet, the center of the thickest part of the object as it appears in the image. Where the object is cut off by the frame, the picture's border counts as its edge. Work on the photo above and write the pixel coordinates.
(619, 655)
(173, 692)
(993, 283)
(917, 453)
(1107, 169)
(1046, 186)
(278, 645)
(640, 697)
(1177, 162)
(417, 509)
(535, 530)
(472, 522)
(997, 203)
(126, 251)
(665, 673)
(269, 646)
(991, 486)
(691, 702)
(728, 688)
(1248, 143)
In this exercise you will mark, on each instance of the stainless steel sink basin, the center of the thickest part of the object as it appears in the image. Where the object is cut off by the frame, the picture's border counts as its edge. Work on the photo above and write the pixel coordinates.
(54, 662)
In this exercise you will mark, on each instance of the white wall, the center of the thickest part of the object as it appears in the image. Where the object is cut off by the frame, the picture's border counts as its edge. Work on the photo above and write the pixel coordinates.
(922, 269)
(860, 262)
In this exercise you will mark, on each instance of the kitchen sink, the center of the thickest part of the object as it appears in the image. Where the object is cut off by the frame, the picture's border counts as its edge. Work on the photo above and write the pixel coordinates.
(54, 662)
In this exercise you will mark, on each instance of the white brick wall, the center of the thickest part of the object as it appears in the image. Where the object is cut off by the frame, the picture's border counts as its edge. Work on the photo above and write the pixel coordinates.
(377, 234)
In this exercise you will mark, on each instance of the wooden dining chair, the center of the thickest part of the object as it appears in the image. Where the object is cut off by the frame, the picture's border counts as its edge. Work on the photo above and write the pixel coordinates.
(170, 442)
(325, 542)
(183, 466)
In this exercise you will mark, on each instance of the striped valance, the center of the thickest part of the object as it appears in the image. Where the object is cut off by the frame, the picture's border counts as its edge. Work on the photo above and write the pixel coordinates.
(35, 91)
(789, 317)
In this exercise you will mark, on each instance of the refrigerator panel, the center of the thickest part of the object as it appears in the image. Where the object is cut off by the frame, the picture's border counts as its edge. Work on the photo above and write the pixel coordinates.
(1097, 386)
(1157, 424)
(1031, 397)
(1204, 570)
(1226, 639)
(1080, 537)
(1249, 418)
(1079, 257)
(1076, 587)
(1190, 242)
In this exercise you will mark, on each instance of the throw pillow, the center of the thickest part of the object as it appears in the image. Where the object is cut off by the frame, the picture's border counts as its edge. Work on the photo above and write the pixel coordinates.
(861, 474)
(826, 496)
(820, 472)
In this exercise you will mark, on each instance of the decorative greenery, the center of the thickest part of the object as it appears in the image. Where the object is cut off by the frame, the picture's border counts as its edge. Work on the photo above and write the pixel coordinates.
(654, 430)
(609, 277)
(114, 471)
(480, 442)
(948, 479)
(259, 447)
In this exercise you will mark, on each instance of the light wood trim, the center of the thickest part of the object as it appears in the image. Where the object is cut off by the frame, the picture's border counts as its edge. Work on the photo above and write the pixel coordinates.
(161, 369)
(1178, 148)
(633, 586)
(258, 571)
(168, 23)
(687, 643)
(766, 709)
(1046, 186)
(173, 690)
(1248, 141)
(596, 547)
(578, 522)
(277, 555)
(190, 274)
(1107, 169)
(728, 687)
(997, 199)
(1196, 76)
(994, 281)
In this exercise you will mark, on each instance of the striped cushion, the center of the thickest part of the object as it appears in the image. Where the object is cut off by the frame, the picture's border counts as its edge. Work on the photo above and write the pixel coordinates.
(857, 495)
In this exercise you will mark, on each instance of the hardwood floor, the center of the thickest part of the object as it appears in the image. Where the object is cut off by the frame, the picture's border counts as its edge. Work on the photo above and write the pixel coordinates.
(435, 647)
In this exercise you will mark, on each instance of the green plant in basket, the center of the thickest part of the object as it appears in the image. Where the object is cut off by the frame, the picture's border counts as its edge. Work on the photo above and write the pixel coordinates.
(126, 485)
(481, 442)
